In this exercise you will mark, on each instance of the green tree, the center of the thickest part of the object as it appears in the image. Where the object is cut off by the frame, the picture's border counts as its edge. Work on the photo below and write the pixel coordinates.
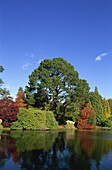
(82, 93)
(1, 70)
(97, 103)
(29, 96)
(110, 104)
(55, 83)
(78, 100)
(4, 93)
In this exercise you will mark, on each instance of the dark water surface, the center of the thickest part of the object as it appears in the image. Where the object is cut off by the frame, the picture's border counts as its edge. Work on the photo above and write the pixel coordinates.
(71, 150)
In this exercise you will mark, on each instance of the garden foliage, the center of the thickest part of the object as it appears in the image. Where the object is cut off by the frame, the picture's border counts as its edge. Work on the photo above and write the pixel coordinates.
(34, 119)
(86, 120)
(8, 112)
(20, 99)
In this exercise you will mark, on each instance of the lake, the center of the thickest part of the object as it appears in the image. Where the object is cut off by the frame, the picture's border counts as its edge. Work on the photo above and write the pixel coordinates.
(55, 150)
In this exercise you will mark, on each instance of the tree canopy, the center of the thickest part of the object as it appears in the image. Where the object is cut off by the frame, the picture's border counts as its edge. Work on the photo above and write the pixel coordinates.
(55, 84)
(8, 112)
(1, 70)
(97, 103)
(20, 98)
(4, 93)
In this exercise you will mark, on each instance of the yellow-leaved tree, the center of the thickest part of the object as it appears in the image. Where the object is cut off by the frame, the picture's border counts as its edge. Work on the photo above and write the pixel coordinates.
(106, 107)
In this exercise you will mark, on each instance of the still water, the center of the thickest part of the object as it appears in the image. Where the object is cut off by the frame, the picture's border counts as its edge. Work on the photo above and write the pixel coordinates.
(70, 150)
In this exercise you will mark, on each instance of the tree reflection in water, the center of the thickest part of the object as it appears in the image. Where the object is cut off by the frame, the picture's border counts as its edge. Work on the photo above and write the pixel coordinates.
(54, 150)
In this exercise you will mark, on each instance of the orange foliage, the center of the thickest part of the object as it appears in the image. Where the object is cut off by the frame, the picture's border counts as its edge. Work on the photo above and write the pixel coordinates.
(83, 120)
(19, 100)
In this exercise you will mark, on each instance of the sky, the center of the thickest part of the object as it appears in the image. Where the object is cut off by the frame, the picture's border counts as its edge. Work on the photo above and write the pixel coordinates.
(80, 31)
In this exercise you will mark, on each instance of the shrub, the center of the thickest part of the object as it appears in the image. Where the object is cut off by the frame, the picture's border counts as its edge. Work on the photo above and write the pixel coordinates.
(50, 120)
(108, 123)
(34, 119)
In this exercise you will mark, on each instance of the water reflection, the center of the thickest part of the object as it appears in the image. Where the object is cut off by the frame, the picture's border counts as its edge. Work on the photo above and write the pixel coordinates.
(84, 150)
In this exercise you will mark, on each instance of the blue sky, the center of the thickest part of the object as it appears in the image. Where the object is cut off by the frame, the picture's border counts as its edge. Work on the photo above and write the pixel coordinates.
(80, 31)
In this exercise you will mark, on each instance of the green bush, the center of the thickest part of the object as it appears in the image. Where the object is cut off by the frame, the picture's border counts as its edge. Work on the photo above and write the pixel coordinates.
(110, 118)
(50, 120)
(34, 119)
(108, 123)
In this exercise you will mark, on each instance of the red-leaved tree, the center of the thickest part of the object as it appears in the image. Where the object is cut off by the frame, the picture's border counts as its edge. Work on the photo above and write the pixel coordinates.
(8, 112)
(87, 118)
